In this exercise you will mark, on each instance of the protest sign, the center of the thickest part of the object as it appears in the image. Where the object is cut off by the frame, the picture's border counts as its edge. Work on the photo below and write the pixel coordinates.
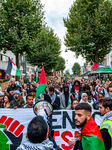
(53, 81)
(5, 85)
(13, 126)
(78, 78)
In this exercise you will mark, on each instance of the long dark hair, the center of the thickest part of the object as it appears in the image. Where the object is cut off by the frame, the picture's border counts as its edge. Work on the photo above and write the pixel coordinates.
(77, 82)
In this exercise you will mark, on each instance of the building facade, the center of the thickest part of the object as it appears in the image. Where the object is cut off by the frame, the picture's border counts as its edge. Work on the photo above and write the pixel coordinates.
(108, 59)
(26, 67)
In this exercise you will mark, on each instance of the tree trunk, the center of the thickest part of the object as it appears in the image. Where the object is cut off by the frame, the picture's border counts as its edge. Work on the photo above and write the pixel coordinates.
(96, 57)
(17, 64)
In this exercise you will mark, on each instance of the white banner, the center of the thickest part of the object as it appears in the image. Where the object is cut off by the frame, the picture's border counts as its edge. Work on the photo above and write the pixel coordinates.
(16, 121)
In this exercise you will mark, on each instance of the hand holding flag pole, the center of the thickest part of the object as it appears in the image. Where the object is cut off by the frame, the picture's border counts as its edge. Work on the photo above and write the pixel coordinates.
(37, 77)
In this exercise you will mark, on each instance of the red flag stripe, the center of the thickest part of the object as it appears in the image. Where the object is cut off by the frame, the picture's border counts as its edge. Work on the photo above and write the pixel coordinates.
(95, 66)
(42, 78)
(12, 61)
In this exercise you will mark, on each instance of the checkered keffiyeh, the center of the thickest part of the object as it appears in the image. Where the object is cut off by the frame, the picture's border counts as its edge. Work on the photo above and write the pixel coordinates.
(45, 145)
(106, 116)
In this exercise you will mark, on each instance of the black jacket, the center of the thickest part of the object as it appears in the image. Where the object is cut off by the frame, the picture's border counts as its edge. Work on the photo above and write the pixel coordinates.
(73, 89)
(78, 145)
(10, 88)
(1, 105)
(107, 138)
(56, 103)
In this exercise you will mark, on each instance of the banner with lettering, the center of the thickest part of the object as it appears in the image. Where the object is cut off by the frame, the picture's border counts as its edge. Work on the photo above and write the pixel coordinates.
(13, 126)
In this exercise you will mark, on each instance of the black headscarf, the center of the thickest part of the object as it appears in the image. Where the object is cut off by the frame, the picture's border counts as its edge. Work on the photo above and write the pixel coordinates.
(66, 94)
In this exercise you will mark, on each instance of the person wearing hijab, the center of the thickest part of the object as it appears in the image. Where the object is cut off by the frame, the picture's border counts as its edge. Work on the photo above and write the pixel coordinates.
(84, 98)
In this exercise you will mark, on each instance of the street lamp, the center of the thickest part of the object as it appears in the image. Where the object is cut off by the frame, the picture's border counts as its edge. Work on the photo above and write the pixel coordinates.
(67, 61)
(66, 50)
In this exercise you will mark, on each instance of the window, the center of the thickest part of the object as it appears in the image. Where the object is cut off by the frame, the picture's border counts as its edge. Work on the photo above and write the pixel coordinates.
(3, 58)
(0, 57)
(27, 68)
(6, 58)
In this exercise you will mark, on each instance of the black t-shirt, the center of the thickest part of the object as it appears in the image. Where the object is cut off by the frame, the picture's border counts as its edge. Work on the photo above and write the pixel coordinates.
(12, 88)
(1, 105)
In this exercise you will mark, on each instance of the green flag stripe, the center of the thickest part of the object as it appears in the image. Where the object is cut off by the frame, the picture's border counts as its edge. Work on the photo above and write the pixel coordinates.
(103, 69)
(40, 89)
(18, 73)
(37, 79)
(92, 142)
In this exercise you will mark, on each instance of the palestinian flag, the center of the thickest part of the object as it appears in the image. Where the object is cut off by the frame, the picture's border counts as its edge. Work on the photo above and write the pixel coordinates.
(37, 78)
(12, 68)
(91, 136)
(98, 67)
(42, 82)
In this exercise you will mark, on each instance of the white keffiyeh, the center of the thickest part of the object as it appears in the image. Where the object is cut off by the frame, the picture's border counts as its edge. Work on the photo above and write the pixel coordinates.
(106, 116)
(45, 145)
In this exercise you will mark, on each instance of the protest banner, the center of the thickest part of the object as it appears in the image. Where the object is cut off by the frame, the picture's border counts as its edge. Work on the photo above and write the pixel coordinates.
(53, 81)
(13, 126)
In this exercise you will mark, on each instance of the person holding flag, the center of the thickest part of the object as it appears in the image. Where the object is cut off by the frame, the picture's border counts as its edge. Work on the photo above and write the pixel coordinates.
(91, 138)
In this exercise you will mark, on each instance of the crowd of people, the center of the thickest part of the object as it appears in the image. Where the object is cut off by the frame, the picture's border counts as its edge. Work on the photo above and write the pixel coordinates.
(71, 94)
(23, 95)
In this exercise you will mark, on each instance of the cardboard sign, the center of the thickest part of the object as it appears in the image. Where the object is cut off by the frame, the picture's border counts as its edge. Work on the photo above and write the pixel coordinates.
(78, 78)
(5, 85)
(53, 81)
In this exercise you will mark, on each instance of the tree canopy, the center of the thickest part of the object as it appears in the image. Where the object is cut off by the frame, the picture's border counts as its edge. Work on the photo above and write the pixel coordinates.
(61, 64)
(89, 29)
(76, 69)
(20, 23)
(23, 31)
(46, 50)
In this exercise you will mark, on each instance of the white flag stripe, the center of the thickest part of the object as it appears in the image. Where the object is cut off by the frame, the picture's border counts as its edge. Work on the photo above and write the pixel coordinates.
(13, 71)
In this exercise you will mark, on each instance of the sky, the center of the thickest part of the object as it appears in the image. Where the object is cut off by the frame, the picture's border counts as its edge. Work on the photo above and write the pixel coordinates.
(55, 11)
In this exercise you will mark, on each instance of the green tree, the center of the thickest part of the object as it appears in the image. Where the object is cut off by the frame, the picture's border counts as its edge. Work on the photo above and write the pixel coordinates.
(20, 23)
(61, 64)
(76, 69)
(89, 29)
(67, 73)
(46, 50)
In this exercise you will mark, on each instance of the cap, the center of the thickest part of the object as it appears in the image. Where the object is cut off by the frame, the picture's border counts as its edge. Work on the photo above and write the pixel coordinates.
(17, 92)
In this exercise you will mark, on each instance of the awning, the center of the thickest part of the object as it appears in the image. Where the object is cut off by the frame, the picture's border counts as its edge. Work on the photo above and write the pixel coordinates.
(103, 72)
(84, 74)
